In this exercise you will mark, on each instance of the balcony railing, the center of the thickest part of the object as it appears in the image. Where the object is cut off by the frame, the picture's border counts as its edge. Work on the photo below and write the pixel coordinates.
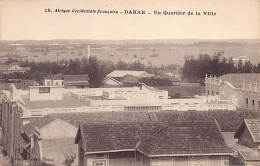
(251, 87)
(42, 112)
(213, 80)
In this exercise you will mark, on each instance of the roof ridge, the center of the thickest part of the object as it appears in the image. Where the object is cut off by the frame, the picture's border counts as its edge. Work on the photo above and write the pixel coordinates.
(156, 134)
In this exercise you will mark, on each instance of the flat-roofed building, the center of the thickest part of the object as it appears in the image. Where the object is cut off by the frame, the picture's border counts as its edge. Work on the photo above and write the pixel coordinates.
(242, 89)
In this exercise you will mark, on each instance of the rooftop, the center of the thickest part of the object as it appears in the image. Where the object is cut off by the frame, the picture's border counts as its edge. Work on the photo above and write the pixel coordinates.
(250, 155)
(73, 78)
(185, 138)
(237, 80)
(58, 76)
(110, 137)
(155, 139)
(122, 73)
(223, 118)
(67, 102)
(91, 117)
(227, 120)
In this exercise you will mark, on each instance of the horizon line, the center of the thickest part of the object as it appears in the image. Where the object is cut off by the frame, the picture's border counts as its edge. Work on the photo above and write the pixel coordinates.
(130, 39)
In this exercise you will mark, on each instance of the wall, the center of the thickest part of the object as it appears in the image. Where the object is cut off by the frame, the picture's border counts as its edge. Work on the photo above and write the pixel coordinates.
(111, 82)
(48, 82)
(122, 159)
(251, 96)
(56, 93)
(189, 161)
(12, 122)
(246, 139)
(215, 161)
(229, 137)
(112, 159)
(57, 82)
(58, 129)
(58, 142)
(238, 96)
(81, 153)
(164, 161)
(146, 161)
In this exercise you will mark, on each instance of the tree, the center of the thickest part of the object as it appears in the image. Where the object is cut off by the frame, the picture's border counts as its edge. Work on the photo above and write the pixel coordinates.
(248, 67)
(93, 71)
(138, 66)
(240, 67)
(121, 65)
(74, 67)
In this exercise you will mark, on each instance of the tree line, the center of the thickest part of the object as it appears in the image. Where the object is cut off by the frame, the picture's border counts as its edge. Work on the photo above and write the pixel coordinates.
(195, 69)
(96, 70)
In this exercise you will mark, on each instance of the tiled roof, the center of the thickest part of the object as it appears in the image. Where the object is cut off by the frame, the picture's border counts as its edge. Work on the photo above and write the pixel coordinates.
(74, 78)
(253, 126)
(227, 120)
(58, 76)
(250, 155)
(185, 138)
(122, 73)
(39, 122)
(91, 117)
(237, 80)
(85, 83)
(155, 138)
(112, 137)
(223, 118)
(129, 79)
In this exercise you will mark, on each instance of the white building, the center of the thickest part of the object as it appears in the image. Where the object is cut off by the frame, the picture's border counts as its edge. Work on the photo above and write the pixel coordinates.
(242, 89)
(13, 68)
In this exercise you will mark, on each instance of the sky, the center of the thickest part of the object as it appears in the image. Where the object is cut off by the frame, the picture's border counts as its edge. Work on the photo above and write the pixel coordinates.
(27, 20)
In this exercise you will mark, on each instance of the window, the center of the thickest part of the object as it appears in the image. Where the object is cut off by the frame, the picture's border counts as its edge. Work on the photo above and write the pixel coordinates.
(247, 102)
(138, 157)
(44, 90)
(99, 163)
(216, 93)
(259, 104)
(208, 92)
(253, 103)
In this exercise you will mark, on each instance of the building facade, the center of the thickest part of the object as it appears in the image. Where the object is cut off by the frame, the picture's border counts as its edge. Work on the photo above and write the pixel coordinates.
(152, 144)
(242, 89)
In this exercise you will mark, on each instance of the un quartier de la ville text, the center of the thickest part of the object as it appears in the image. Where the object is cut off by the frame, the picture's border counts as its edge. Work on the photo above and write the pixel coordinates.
(134, 12)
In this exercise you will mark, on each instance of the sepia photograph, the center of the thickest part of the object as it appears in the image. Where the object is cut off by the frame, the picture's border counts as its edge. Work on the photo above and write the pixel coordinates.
(129, 83)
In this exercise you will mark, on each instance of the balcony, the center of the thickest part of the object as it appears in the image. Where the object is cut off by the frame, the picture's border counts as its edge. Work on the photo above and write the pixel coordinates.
(213, 80)
(251, 87)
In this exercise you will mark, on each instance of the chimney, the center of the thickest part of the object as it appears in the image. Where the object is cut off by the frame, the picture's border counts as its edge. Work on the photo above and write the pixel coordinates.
(88, 51)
